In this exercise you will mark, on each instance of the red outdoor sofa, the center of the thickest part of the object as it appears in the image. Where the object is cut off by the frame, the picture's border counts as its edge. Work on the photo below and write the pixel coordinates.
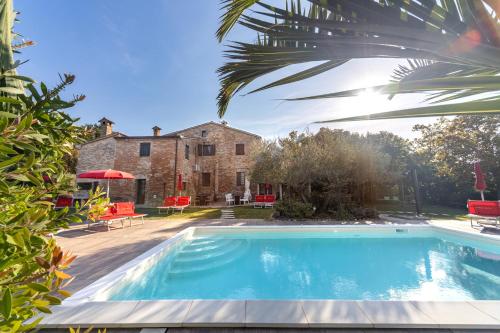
(120, 212)
(175, 203)
(264, 201)
(485, 212)
(63, 202)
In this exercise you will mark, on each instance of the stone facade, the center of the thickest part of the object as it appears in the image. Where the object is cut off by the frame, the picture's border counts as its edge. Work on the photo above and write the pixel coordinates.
(169, 155)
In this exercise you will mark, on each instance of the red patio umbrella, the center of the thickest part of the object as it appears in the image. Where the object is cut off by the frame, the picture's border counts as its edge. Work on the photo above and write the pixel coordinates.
(480, 184)
(106, 174)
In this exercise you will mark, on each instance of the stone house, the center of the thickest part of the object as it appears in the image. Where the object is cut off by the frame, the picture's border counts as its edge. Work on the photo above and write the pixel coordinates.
(210, 160)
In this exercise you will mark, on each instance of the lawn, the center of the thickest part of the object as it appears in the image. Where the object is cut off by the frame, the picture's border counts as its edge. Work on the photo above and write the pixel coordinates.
(192, 213)
(201, 213)
(431, 211)
(248, 212)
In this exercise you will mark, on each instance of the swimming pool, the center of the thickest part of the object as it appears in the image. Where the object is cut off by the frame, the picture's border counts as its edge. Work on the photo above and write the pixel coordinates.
(290, 263)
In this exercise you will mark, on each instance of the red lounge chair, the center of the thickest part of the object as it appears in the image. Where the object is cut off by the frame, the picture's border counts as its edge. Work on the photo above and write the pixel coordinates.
(260, 201)
(270, 200)
(168, 203)
(485, 212)
(127, 210)
(63, 202)
(109, 217)
(182, 202)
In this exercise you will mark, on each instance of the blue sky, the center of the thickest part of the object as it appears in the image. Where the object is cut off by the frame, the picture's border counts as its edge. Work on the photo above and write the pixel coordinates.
(145, 65)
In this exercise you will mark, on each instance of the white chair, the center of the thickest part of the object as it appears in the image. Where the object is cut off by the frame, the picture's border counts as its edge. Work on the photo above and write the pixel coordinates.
(229, 199)
(246, 197)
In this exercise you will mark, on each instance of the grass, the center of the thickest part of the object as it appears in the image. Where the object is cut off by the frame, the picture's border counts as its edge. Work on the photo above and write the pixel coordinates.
(248, 212)
(191, 213)
(432, 211)
(200, 213)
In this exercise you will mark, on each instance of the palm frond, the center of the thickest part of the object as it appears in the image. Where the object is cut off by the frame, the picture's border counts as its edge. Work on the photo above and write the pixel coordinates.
(486, 107)
(452, 44)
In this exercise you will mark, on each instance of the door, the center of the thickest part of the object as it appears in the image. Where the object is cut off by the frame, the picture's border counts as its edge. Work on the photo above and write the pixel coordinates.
(140, 197)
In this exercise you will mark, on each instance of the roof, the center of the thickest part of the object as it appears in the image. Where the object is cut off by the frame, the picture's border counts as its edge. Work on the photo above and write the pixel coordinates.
(118, 135)
(105, 120)
(112, 135)
(213, 123)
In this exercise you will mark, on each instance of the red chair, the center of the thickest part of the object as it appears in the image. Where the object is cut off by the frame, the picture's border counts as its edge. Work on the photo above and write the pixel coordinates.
(63, 202)
(260, 201)
(182, 202)
(109, 217)
(485, 212)
(270, 200)
(168, 203)
(127, 210)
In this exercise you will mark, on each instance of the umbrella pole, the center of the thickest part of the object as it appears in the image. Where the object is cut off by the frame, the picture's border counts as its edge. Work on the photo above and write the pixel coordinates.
(107, 191)
(482, 196)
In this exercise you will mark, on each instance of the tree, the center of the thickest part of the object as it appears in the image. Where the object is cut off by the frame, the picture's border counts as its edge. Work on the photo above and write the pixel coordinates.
(453, 49)
(335, 171)
(36, 134)
(446, 152)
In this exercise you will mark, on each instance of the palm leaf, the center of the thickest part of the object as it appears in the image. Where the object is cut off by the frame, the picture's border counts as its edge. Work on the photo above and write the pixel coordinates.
(454, 43)
(488, 107)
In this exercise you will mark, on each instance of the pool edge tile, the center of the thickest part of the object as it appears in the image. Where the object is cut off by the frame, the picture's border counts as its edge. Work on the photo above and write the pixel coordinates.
(262, 313)
(215, 313)
(351, 317)
(96, 314)
(446, 314)
(158, 313)
(387, 314)
(485, 307)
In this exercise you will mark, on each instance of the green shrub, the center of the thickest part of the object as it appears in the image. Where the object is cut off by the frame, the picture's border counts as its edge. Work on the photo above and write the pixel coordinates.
(294, 209)
(37, 135)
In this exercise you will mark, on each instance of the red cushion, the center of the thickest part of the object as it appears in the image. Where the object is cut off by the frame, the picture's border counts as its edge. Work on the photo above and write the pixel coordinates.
(484, 208)
(64, 202)
(124, 208)
(260, 198)
(270, 198)
(183, 201)
(169, 201)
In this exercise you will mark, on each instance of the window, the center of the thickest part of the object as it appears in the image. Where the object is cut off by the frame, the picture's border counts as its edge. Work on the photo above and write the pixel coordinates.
(84, 186)
(240, 149)
(186, 152)
(204, 133)
(240, 179)
(144, 149)
(205, 179)
(206, 150)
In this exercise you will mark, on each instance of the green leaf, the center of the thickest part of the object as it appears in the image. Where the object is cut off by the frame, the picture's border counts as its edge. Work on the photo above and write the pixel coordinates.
(9, 100)
(7, 303)
(4, 114)
(310, 72)
(11, 161)
(466, 108)
(38, 287)
(52, 299)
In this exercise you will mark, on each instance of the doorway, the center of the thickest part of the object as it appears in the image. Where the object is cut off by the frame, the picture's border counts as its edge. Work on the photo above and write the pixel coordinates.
(140, 197)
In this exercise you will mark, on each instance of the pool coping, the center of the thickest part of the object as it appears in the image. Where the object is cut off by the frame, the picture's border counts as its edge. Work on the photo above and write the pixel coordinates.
(82, 310)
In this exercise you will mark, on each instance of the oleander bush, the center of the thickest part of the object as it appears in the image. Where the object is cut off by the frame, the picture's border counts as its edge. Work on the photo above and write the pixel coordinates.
(37, 135)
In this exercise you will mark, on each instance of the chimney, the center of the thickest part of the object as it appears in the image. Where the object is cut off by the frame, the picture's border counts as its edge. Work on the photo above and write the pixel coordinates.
(156, 131)
(106, 127)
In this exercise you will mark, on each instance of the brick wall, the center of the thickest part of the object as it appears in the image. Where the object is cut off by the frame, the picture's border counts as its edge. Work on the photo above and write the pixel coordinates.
(160, 168)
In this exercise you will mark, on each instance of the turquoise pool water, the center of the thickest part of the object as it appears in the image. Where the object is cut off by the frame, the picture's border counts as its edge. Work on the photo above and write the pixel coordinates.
(371, 267)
